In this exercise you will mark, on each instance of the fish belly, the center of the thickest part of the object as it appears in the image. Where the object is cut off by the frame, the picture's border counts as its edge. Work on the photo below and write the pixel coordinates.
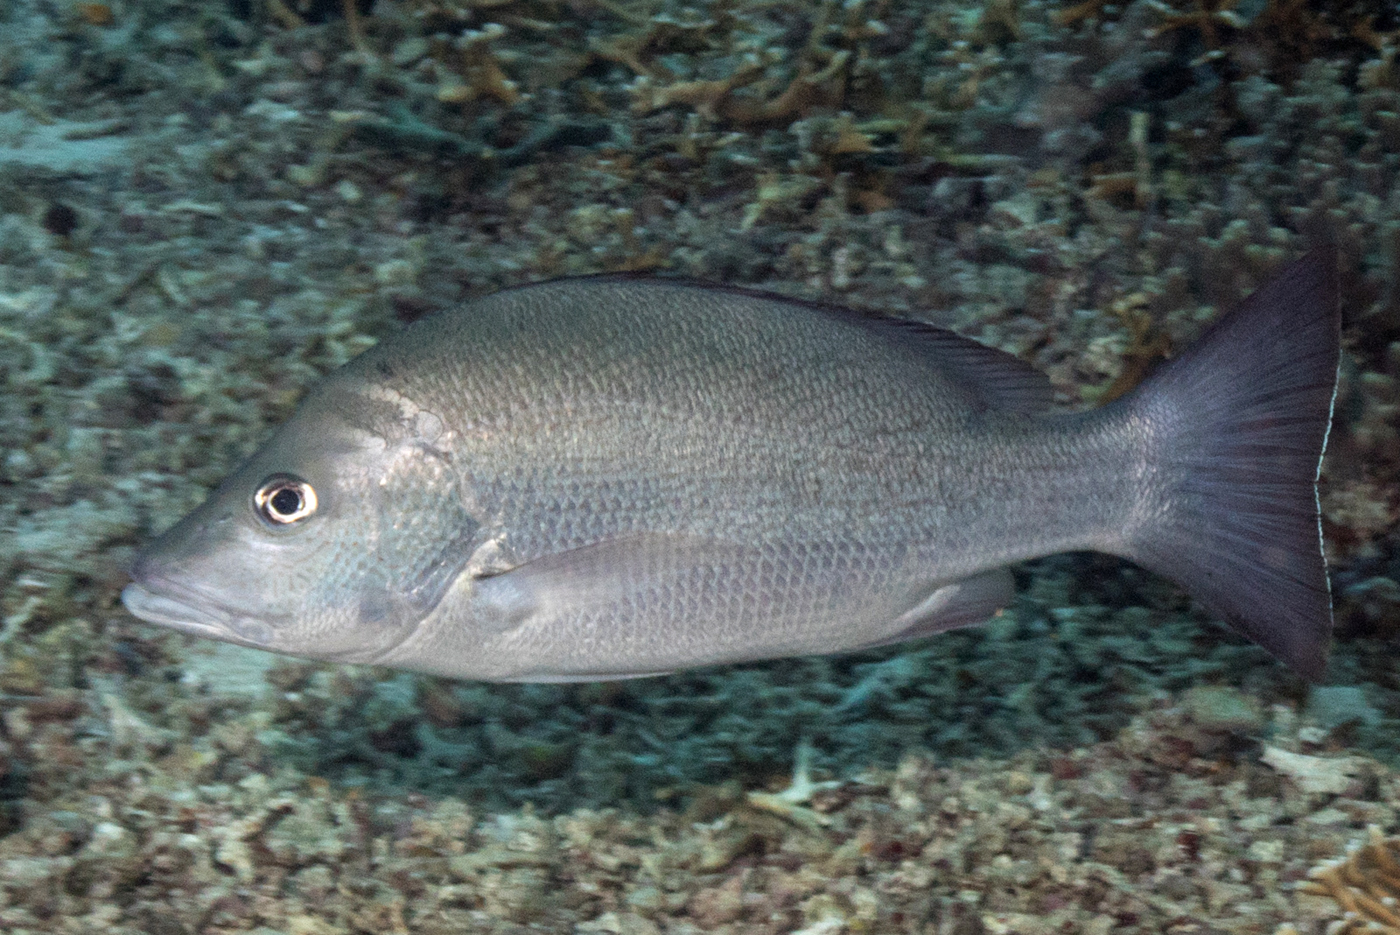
(645, 604)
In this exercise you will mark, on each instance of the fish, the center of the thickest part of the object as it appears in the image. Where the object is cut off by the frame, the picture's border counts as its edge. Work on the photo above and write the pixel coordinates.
(610, 477)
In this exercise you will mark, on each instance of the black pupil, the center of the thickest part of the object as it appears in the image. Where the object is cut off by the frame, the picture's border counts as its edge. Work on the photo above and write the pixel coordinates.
(286, 501)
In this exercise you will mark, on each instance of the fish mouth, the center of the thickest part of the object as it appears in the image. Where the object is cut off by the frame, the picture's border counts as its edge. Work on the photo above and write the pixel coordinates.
(168, 604)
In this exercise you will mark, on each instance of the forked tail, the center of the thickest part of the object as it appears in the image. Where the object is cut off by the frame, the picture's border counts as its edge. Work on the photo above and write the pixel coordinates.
(1239, 424)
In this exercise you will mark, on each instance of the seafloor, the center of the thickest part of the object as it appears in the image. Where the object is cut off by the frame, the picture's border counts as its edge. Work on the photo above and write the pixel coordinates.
(205, 206)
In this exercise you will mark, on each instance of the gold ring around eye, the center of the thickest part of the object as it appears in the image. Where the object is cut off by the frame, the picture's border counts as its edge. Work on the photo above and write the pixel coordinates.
(283, 499)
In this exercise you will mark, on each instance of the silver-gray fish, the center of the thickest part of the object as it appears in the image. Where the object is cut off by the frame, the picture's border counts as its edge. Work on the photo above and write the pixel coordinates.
(608, 477)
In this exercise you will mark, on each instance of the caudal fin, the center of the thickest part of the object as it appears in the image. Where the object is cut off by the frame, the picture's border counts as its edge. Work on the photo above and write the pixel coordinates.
(1240, 423)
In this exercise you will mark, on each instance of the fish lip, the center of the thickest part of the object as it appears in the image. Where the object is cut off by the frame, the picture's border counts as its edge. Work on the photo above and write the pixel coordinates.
(170, 604)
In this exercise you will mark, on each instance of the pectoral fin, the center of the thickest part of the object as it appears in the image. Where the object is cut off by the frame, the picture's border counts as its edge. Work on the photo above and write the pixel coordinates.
(593, 576)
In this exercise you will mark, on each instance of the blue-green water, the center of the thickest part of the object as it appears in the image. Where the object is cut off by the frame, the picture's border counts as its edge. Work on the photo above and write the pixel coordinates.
(204, 207)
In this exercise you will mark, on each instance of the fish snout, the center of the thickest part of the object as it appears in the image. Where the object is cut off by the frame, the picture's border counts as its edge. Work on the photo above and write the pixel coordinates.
(160, 593)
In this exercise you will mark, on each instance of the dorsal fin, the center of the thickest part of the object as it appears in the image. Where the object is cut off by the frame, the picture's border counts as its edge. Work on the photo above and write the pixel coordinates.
(996, 378)
(992, 377)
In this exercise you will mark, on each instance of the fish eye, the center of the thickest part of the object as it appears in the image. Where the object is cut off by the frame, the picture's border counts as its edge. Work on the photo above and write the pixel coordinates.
(284, 499)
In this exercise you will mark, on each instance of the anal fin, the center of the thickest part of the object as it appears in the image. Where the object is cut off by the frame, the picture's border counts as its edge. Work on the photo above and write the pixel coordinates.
(961, 603)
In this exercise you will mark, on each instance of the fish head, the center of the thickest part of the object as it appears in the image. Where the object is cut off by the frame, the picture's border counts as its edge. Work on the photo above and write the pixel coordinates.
(332, 542)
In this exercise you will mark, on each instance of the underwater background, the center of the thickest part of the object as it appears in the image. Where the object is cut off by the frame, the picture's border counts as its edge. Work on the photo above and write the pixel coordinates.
(205, 206)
